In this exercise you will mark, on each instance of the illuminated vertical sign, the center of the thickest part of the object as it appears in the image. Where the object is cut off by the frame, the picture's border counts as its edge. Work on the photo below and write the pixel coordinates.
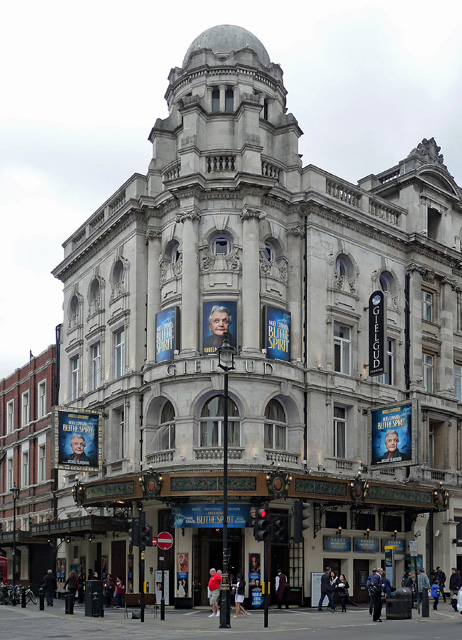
(277, 333)
(77, 439)
(166, 334)
(377, 334)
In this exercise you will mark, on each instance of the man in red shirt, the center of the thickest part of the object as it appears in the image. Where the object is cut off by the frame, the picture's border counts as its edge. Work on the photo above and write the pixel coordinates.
(214, 591)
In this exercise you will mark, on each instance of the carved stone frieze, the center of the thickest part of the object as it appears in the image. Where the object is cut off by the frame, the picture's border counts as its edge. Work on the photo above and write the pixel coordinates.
(414, 266)
(191, 213)
(153, 234)
(429, 152)
(295, 230)
(450, 281)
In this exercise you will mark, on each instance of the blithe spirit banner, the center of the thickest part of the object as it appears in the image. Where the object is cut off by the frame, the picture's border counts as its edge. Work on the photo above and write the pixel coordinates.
(77, 439)
(167, 334)
(210, 516)
(391, 435)
(277, 333)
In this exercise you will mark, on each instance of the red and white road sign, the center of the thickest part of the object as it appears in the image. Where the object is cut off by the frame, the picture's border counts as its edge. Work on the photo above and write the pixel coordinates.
(164, 540)
(154, 542)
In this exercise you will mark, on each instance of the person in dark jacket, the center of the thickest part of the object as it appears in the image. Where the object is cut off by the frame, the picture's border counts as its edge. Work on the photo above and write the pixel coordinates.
(325, 587)
(49, 587)
(455, 582)
(342, 591)
(332, 589)
(71, 583)
(441, 577)
(282, 588)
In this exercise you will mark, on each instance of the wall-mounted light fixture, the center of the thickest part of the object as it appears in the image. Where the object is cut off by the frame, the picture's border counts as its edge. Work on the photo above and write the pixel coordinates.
(339, 532)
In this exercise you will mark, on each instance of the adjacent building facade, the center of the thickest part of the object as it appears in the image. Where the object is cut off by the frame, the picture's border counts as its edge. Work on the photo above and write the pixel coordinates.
(229, 231)
(26, 399)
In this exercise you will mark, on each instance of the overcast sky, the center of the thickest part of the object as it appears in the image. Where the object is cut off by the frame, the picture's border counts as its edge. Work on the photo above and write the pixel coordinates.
(83, 83)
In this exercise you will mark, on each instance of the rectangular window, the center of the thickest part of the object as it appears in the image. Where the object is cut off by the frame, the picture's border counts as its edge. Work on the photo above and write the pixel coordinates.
(215, 101)
(10, 416)
(388, 378)
(427, 372)
(275, 436)
(340, 425)
(95, 366)
(121, 434)
(342, 348)
(9, 473)
(229, 100)
(211, 433)
(119, 353)
(25, 468)
(42, 463)
(458, 381)
(75, 369)
(25, 413)
(427, 306)
(42, 399)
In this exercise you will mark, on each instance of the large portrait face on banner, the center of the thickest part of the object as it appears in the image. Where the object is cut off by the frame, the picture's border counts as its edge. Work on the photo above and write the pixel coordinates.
(219, 318)
(77, 436)
(392, 435)
(277, 334)
(166, 334)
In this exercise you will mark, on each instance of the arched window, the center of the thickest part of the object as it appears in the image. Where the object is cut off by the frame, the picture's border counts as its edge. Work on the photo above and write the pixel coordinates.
(343, 266)
(221, 245)
(175, 252)
(95, 296)
(74, 307)
(165, 438)
(270, 251)
(387, 282)
(211, 424)
(275, 426)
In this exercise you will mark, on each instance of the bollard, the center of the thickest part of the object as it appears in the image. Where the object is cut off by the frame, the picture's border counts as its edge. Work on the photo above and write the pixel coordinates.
(23, 597)
(41, 599)
(425, 604)
(69, 603)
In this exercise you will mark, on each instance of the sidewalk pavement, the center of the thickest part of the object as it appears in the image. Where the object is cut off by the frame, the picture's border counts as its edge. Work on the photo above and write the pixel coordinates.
(31, 623)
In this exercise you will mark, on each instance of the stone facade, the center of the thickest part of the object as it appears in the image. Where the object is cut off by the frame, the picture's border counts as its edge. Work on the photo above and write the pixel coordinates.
(227, 214)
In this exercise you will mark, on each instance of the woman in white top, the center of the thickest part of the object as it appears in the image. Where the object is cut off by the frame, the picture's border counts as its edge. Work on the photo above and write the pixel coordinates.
(240, 592)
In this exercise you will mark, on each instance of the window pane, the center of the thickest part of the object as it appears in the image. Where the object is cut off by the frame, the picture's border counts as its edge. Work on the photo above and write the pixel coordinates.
(275, 411)
(268, 436)
(280, 437)
(168, 413)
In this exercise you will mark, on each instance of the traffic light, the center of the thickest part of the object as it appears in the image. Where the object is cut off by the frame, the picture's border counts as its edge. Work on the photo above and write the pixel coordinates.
(134, 532)
(301, 515)
(146, 535)
(262, 524)
(279, 530)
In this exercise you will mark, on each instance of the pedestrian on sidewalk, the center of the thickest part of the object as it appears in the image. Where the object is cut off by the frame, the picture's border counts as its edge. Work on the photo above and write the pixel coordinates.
(325, 586)
(214, 588)
(119, 591)
(282, 588)
(49, 587)
(422, 583)
(239, 591)
(342, 590)
(435, 593)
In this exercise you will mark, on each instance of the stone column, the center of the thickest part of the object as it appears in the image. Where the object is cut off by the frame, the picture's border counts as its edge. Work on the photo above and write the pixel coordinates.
(190, 294)
(250, 312)
(295, 290)
(153, 238)
(222, 89)
(415, 302)
(448, 314)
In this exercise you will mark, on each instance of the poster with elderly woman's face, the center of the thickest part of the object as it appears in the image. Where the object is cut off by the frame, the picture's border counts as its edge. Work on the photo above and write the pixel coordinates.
(392, 435)
(219, 318)
(77, 437)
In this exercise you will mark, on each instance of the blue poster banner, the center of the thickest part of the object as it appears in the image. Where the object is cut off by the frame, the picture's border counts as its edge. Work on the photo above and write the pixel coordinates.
(336, 543)
(210, 516)
(166, 334)
(277, 334)
(391, 435)
(366, 545)
(77, 440)
(398, 545)
(218, 318)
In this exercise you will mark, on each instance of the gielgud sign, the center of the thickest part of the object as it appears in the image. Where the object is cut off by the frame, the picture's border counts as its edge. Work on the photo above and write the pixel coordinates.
(377, 334)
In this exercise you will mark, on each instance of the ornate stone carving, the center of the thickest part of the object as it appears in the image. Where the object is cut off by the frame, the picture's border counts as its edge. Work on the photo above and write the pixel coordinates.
(295, 230)
(207, 263)
(450, 281)
(413, 266)
(153, 234)
(247, 213)
(233, 262)
(429, 152)
(191, 213)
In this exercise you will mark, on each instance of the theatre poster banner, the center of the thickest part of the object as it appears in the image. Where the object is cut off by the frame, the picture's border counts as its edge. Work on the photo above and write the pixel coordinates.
(77, 438)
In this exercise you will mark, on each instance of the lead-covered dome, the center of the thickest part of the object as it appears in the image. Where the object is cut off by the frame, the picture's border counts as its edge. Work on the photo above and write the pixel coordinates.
(225, 38)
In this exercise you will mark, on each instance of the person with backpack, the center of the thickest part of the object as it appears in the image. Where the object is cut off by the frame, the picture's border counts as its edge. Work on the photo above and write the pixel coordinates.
(375, 591)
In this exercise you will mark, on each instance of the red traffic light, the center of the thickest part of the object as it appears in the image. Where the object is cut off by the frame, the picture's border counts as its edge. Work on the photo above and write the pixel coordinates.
(262, 513)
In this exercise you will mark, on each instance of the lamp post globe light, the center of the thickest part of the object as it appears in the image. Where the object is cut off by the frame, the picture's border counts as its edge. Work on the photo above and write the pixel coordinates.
(15, 492)
(226, 355)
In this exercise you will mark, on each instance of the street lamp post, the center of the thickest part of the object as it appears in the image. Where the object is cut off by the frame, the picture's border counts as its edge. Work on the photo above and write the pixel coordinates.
(226, 355)
(15, 492)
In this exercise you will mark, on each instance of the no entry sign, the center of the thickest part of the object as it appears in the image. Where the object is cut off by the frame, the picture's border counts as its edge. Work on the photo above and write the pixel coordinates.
(164, 540)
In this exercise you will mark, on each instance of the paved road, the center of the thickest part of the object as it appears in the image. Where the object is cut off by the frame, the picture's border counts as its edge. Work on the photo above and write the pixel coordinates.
(295, 624)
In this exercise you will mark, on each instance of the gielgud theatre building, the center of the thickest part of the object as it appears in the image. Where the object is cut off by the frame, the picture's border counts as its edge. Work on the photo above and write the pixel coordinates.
(328, 404)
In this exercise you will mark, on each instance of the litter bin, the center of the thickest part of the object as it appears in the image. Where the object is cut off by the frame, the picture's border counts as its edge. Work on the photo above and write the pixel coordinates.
(94, 601)
(69, 603)
(399, 604)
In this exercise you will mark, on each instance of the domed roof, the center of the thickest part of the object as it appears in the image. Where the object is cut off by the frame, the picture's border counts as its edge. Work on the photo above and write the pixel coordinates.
(225, 38)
